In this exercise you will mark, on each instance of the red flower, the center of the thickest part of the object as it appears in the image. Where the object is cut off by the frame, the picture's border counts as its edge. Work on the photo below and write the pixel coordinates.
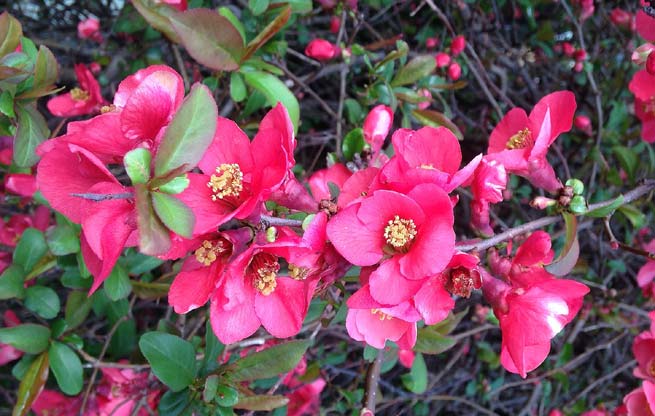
(86, 99)
(454, 71)
(442, 59)
(642, 86)
(487, 186)
(254, 293)
(621, 18)
(89, 29)
(431, 42)
(305, 399)
(7, 352)
(336, 174)
(643, 348)
(641, 401)
(645, 26)
(646, 273)
(53, 403)
(321, 50)
(427, 155)
(239, 175)
(533, 307)
(374, 323)
(520, 143)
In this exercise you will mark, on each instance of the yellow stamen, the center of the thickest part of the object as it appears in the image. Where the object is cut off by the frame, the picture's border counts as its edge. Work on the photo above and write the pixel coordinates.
(521, 140)
(298, 273)
(400, 232)
(209, 252)
(649, 106)
(381, 315)
(428, 166)
(265, 267)
(107, 108)
(228, 181)
(79, 94)
(651, 368)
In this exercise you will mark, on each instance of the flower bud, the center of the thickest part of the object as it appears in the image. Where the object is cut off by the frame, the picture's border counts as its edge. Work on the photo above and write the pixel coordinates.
(641, 54)
(271, 234)
(321, 50)
(580, 55)
(542, 202)
(457, 45)
(431, 43)
(568, 49)
(377, 125)
(583, 123)
(424, 92)
(454, 71)
(578, 66)
(621, 18)
(89, 29)
(442, 59)
(335, 24)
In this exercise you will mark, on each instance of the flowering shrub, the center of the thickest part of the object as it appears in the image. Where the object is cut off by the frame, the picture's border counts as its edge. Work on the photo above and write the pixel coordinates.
(229, 235)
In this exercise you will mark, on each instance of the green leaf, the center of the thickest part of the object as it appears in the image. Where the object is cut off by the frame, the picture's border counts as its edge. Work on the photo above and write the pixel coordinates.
(45, 75)
(30, 249)
(29, 338)
(32, 130)
(417, 379)
(436, 119)
(268, 363)
(117, 286)
(429, 341)
(31, 385)
(7, 104)
(299, 6)
(213, 349)
(237, 87)
(261, 402)
(606, 210)
(10, 33)
(275, 91)
(636, 217)
(414, 70)
(43, 301)
(147, 290)
(175, 185)
(628, 159)
(268, 32)
(447, 326)
(189, 134)
(567, 259)
(172, 359)
(137, 165)
(62, 239)
(210, 38)
(12, 282)
(78, 306)
(154, 238)
(66, 367)
(258, 7)
(174, 214)
(236, 22)
(353, 143)
(158, 15)
(226, 396)
(211, 386)
(175, 403)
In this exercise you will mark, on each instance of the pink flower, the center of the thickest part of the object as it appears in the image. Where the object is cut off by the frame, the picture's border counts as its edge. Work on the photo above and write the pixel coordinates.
(335, 24)
(568, 49)
(427, 94)
(22, 184)
(457, 45)
(442, 59)
(7, 352)
(586, 8)
(305, 400)
(239, 175)
(454, 71)
(377, 125)
(533, 307)
(520, 143)
(254, 294)
(643, 348)
(641, 54)
(321, 50)
(431, 42)
(641, 401)
(642, 86)
(406, 358)
(621, 18)
(645, 26)
(53, 403)
(89, 29)
(373, 323)
(86, 99)
(650, 64)
(428, 155)
(487, 186)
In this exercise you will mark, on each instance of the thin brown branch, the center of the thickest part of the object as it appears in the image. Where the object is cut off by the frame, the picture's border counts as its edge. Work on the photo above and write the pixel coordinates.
(372, 379)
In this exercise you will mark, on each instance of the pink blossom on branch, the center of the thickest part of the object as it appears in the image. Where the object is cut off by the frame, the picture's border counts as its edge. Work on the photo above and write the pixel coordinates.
(321, 50)
(85, 99)
(90, 29)
(376, 127)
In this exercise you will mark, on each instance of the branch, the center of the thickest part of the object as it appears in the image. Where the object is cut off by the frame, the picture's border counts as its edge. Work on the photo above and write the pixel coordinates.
(268, 221)
(372, 378)
(104, 197)
(647, 186)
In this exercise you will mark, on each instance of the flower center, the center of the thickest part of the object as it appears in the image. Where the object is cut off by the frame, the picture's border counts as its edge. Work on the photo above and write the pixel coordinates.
(461, 281)
(649, 106)
(427, 166)
(381, 315)
(399, 233)
(521, 140)
(298, 273)
(78, 94)
(209, 251)
(650, 368)
(107, 108)
(264, 267)
(227, 181)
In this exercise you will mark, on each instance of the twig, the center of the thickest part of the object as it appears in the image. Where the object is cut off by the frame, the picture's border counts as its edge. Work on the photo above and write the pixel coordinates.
(443, 397)
(623, 246)
(372, 378)
(647, 186)
(603, 379)
(104, 197)
(269, 221)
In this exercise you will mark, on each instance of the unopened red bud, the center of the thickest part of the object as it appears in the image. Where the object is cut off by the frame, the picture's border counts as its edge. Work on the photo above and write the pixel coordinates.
(641, 54)
(614, 245)
(442, 59)
(621, 18)
(431, 43)
(580, 55)
(335, 24)
(454, 71)
(568, 49)
(578, 67)
(582, 122)
(542, 202)
(457, 45)
(321, 50)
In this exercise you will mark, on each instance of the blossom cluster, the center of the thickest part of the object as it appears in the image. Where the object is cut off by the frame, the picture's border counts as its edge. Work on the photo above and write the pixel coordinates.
(393, 217)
